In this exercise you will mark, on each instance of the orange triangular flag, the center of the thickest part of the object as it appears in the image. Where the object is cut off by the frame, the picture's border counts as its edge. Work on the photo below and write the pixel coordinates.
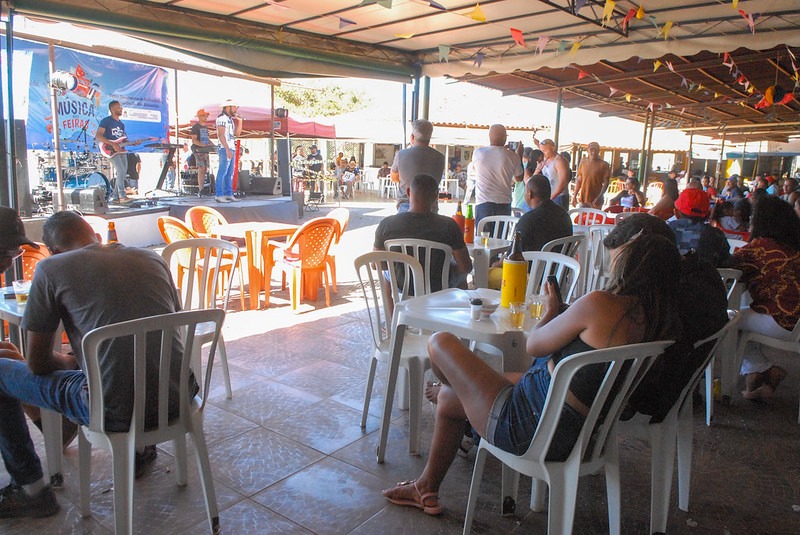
(517, 35)
(640, 13)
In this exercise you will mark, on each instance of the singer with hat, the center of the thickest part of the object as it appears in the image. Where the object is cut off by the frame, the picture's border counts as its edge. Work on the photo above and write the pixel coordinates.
(200, 142)
(229, 125)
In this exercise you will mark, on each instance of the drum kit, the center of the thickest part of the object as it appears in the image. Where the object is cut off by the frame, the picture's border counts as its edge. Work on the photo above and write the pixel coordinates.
(83, 170)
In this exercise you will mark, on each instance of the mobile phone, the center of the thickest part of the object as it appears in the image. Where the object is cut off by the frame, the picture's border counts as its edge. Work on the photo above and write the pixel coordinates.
(554, 281)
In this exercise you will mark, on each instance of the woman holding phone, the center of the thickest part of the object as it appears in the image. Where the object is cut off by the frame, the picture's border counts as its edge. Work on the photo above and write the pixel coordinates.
(637, 306)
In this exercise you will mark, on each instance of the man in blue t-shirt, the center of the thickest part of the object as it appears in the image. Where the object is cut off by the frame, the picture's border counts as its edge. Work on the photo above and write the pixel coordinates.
(111, 134)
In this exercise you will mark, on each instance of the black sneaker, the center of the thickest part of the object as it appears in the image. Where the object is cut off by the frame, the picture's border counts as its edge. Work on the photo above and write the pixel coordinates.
(142, 460)
(14, 502)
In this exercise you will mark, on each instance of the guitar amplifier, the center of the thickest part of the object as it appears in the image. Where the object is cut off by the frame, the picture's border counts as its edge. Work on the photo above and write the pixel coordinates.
(87, 200)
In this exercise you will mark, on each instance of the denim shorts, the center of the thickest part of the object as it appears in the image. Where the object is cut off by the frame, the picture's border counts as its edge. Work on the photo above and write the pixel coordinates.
(515, 415)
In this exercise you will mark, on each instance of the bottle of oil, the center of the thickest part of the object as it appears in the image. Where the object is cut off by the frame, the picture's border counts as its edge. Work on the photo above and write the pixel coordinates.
(515, 274)
(459, 217)
(112, 233)
(469, 226)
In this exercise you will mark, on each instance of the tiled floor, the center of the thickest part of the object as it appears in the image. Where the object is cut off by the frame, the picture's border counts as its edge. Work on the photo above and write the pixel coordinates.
(288, 455)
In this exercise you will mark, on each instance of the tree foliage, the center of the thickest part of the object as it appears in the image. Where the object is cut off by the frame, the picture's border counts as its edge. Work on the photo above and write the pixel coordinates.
(322, 100)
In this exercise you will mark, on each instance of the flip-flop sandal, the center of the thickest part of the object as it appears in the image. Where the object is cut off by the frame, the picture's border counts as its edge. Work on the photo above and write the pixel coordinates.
(432, 510)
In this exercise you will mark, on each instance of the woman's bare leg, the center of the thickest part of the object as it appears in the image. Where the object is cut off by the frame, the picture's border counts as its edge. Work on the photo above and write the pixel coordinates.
(462, 372)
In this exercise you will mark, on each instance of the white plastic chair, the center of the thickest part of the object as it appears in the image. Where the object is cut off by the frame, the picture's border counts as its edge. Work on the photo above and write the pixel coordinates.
(423, 251)
(158, 357)
(675, 429)
(587, 216)
(566, 269)
(372, 270)
(204, 261)
(730, 278)
(573, 246)
(594, 448)
(790, 344)
(502, 226)
(598, 269)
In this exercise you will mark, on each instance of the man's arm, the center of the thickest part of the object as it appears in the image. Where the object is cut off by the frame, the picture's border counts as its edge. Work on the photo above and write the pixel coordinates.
(237, 131)
(223, 141)
(41, 358)
(606, 179)
(563, 177)
(100, 136)
(463, 260)
(578, 183)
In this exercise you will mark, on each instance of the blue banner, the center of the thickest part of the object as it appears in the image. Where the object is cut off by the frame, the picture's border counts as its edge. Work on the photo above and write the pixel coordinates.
(87, 84)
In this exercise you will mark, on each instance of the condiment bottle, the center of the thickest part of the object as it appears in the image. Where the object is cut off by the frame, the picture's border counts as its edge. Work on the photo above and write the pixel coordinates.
(469, 226)
(459, 217)
(112, 233)
(515, 274)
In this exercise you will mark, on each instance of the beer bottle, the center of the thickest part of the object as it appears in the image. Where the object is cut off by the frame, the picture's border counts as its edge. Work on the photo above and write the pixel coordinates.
(469, 226)
(112, 233)
(515, 274)
(459, 217)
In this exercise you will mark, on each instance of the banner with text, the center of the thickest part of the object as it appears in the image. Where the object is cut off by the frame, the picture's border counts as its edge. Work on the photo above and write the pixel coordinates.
(87, 83)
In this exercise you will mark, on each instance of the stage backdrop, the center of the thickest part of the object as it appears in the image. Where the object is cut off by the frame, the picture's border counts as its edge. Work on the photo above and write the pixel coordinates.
(92, 82)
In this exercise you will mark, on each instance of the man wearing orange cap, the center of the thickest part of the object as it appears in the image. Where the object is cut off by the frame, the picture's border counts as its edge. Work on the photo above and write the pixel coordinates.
(200, 140)
(692, 232)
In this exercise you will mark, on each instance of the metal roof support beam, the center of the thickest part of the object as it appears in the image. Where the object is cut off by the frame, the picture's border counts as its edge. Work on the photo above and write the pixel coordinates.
(571, 10)
(558, 117)
(642, 174)
(649, 155)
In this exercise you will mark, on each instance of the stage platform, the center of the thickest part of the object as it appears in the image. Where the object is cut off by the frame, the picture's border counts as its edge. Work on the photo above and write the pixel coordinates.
(138, 226)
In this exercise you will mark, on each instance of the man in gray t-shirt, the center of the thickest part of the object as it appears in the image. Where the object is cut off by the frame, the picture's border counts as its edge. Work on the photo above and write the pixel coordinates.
(83, 285)
(418, 159)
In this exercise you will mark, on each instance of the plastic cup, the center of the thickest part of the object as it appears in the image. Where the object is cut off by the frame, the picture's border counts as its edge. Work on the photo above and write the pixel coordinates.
(485, 240)
(475, 306)
(536, 306)
(516, 312)
(21, 290)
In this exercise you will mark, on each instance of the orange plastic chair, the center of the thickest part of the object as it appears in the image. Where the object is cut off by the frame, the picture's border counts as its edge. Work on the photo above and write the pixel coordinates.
(304, 257)
(30, 257)
(200, 219)
(342, 215)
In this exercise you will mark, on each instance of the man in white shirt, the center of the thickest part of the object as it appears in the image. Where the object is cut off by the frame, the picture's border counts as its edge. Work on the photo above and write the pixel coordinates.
(495, 169)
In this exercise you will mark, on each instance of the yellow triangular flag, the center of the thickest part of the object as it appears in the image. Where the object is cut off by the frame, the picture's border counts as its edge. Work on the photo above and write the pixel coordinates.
(716, 95)
(640, 12)
(477, 14)
(750, 90)
(404, 35)
(665, 30)
(608, 11)
(574, 49)
(628, 97)
(735, 4)
(656, 65)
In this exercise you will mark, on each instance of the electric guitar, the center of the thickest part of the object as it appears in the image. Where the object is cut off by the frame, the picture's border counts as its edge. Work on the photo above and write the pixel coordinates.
(107, 150)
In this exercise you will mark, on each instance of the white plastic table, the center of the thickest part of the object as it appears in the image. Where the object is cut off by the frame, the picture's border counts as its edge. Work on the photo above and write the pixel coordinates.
(480, 259)
(449, 310)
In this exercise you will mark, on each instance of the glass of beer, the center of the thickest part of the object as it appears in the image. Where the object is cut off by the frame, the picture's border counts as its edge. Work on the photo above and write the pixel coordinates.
(536, 306)
(21, 290)
(485, 240)
(517, 314)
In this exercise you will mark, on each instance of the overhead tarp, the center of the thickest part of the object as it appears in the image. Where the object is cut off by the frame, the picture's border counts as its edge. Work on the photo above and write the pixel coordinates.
(222, 41)
(257, 122)
(91, 83)
(755, 155)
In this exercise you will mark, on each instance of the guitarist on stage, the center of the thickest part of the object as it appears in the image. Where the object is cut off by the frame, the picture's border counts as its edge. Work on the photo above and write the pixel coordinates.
(111, 131)
(200, 141)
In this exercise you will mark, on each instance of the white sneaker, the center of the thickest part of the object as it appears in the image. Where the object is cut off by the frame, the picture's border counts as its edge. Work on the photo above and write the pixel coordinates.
(231, 198)
(222, 199)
